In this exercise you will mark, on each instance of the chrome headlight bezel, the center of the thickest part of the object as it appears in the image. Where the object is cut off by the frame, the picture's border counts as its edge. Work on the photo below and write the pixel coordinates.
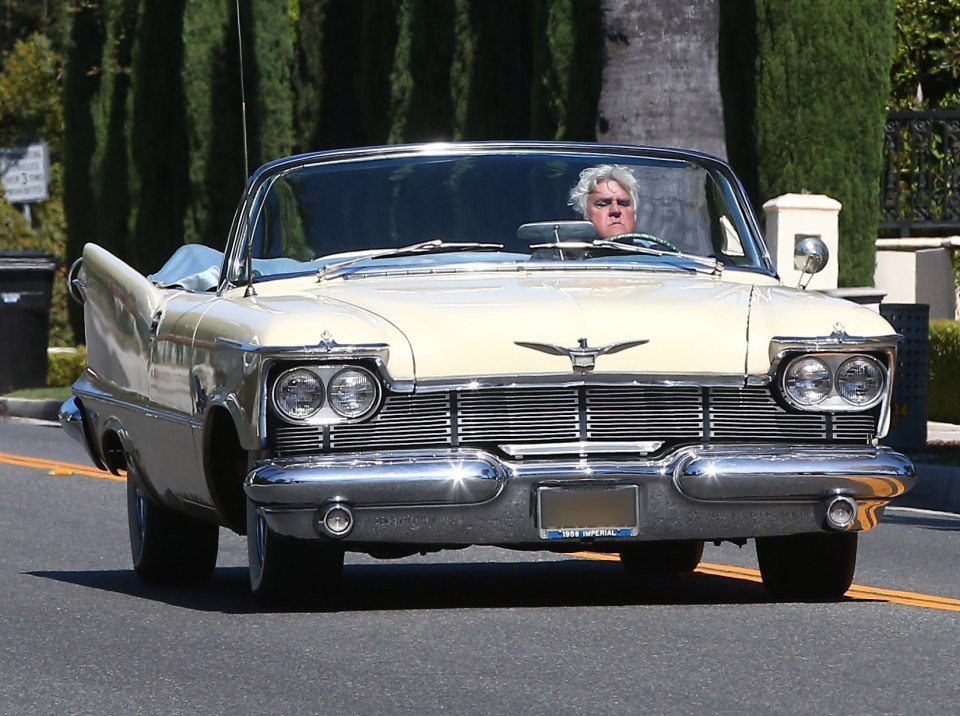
(334, 393)
(285, 380)
(325, 413)
(804, 388)
(834, 362)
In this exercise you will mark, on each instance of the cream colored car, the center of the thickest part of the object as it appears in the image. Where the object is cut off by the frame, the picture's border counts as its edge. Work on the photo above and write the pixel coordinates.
(412, 348)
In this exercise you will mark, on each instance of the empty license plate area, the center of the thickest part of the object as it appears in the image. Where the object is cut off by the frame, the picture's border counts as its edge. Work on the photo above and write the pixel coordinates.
(575, 513)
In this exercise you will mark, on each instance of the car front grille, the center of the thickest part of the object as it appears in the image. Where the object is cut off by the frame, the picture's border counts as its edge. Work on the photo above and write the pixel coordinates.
(484, 418)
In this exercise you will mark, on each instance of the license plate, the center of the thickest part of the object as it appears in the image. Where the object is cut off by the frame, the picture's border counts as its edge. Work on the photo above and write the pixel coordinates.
(576, 513)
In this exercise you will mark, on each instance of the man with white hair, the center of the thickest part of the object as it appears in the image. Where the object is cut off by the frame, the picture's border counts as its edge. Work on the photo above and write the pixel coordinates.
(606, 195)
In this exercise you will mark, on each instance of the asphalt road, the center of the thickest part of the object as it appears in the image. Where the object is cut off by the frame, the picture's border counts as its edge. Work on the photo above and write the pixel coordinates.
(477, 631)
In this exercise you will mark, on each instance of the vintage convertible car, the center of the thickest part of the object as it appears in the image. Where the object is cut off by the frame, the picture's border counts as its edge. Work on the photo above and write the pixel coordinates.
(412, 348)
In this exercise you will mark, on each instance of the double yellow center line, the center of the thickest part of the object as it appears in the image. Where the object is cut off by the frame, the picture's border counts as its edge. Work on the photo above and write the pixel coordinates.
(911, 599)
(57, 467)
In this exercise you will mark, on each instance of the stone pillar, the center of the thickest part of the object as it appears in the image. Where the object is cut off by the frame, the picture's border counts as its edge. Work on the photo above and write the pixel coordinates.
(790, 218)
(918, 270)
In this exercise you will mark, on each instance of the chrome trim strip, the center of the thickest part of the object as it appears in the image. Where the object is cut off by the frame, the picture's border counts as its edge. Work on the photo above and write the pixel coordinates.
(362, 272)
(836, 341)
(576, 380)
(380, 351)
(146, 408)
(583, 448)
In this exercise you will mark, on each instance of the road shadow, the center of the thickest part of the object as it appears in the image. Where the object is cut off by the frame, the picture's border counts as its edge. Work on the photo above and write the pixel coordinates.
(474, 585)
(939, 522)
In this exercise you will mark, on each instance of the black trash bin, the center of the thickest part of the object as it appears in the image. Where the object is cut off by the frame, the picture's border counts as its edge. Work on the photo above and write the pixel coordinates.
(908, 411)
(26, 288)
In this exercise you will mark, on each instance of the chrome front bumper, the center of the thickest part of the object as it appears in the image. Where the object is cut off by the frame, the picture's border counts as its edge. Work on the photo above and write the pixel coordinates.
(463, 497)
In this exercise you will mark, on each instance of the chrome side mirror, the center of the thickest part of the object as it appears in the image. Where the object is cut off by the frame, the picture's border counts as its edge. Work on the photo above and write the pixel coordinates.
(810, 256)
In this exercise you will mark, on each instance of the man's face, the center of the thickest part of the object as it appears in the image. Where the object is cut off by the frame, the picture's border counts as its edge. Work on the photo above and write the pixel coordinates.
(611, 209)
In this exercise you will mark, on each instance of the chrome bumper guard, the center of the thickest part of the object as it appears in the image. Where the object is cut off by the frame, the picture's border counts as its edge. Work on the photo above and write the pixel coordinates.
(74, 423)
(462, 497)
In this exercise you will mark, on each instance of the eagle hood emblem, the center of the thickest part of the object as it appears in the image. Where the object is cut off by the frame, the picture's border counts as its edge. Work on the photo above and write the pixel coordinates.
(582, 356)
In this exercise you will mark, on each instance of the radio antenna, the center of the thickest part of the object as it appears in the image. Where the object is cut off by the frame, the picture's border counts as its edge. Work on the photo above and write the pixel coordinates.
(243, 99)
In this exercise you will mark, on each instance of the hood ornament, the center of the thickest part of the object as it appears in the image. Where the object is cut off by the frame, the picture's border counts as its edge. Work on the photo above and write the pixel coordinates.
(583, 357)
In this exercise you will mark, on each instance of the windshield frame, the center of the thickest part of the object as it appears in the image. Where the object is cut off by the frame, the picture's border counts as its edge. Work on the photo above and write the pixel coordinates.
(260, 183)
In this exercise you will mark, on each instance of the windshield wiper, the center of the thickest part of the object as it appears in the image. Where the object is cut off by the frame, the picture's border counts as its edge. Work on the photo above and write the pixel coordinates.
(614, 245)
(434, 246)
(438, 246)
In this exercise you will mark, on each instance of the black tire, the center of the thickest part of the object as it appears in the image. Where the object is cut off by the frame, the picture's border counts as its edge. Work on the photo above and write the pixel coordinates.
(660, 559)
(286, 572)
(167, 547)
(808, 567)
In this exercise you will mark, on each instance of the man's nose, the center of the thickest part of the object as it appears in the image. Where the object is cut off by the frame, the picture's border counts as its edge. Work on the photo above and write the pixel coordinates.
(615, 209)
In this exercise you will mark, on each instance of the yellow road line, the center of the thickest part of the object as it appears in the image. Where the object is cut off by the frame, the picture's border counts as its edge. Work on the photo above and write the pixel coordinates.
(895, 596)
(57, 467)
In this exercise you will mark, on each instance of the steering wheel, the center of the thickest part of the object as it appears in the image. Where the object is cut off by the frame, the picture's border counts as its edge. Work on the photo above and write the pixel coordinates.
(646, 240)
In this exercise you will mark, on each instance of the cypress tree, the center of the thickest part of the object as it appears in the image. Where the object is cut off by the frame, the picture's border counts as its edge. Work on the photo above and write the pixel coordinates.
(214, 123)
(158, 145)
(422, 105)
(308, 72)
(80, 85)
(271, 92)
(110, 169)
(566, 69)
(822, 83)
(356, 104)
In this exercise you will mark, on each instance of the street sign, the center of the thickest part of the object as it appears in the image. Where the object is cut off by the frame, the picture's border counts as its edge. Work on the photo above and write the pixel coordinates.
(25, 173)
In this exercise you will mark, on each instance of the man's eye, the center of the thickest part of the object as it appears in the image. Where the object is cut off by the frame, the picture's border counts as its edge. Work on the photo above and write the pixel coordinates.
(601, 203)
(623, 202)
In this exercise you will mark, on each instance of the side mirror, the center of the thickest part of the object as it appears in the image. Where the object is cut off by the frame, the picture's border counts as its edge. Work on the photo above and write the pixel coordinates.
(810, 256)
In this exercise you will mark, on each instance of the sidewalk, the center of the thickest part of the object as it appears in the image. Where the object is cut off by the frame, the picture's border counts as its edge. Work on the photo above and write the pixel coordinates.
(938, 474)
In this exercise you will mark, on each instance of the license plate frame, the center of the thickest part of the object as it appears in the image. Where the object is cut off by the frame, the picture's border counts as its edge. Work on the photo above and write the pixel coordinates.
(608, 512)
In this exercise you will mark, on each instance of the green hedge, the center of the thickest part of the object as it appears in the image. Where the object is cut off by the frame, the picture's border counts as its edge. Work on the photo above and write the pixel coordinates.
(65, 367)
(943, 401)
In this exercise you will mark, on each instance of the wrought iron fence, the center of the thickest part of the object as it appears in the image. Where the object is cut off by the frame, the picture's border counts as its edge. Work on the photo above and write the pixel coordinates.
(920, 189)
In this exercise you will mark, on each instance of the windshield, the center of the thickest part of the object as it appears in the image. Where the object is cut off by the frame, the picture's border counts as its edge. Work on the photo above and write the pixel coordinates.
(315, 215)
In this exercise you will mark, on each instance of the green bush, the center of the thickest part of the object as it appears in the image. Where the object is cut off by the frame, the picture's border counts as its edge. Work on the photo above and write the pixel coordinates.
(943, 401)
(64, 367)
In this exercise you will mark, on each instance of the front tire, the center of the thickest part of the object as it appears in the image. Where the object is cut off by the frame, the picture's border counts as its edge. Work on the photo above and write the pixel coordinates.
(286, 571)
(167, 547)
(808, 567)
(661, 559)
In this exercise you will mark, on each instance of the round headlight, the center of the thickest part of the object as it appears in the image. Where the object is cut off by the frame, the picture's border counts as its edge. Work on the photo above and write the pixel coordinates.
(298, 394)
(860, 381)
(807, 381)
(353, 392)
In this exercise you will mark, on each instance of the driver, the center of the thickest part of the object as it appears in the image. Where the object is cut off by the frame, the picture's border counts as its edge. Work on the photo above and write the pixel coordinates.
(606, 195)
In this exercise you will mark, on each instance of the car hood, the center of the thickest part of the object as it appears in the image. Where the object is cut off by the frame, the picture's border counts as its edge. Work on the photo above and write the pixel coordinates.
(457, 326)
(503, 324)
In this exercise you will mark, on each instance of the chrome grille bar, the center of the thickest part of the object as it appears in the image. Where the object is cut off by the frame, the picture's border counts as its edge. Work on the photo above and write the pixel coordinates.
(494, 417)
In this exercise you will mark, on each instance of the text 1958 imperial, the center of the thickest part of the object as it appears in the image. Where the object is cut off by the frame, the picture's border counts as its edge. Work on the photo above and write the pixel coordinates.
(412, 348)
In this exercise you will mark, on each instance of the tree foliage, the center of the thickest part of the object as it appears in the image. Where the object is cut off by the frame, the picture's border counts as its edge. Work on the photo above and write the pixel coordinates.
(31, 111)
(821, 85)
(926, 63)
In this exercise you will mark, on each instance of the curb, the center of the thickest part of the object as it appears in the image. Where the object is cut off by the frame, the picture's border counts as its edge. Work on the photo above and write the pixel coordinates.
(29, 408)
(937, 487)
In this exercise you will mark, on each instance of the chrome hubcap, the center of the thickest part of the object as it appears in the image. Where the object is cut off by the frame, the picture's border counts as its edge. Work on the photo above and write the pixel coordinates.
(141, 513)
(261, 538)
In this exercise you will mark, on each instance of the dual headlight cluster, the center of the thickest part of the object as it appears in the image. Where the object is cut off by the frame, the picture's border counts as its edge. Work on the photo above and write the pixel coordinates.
(834, 381)
(325, 393)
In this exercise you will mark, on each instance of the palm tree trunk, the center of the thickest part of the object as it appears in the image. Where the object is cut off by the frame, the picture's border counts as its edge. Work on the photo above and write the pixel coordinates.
(660, 78)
